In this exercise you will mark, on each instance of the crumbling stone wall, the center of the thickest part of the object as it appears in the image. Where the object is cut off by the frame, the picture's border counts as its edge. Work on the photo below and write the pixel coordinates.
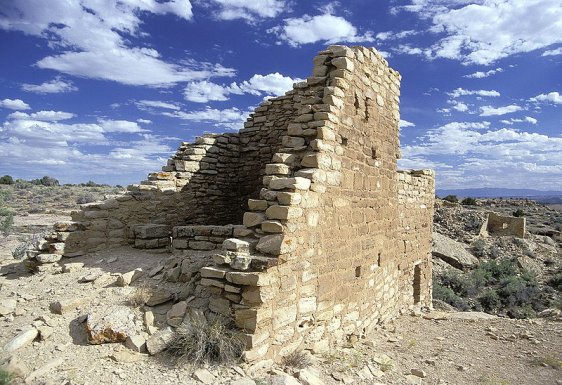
(333, 240)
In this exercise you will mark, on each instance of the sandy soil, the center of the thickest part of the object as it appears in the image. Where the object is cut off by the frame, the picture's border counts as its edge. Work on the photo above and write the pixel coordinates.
(451, 351)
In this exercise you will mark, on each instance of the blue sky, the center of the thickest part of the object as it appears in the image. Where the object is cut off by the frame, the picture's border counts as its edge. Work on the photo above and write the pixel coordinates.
(105, 90)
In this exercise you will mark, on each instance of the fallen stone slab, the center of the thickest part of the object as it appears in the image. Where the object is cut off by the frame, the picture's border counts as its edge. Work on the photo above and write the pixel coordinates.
(113, 324)
(21, 340)
(159, 341)
(310, 376)
(281, 379)
(65, 305)
(126, 356)
(43, 370)
(452, 252)
(158, 297)
(7, 306)
(204, 376)
(127, 278)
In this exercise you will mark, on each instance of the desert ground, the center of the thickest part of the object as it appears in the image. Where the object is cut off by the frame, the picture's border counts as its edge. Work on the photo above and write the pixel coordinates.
(437, 347)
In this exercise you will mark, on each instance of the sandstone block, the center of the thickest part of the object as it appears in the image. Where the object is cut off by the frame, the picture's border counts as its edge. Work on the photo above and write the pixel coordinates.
(65, 305)
(257, 204)
(283, 212)
(202, 245)
(317, 160)
(237, 245)
(272, 227)
(127, 278)
(294, 141)
(276, 244)
(277, 169)
(212, 272)
(296, 183)
(252, 219)
(248, 278)
(48, 258)
(136, 343)
(159, 340)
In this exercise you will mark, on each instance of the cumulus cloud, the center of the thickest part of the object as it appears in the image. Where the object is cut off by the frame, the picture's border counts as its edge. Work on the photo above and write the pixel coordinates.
(14, 104)
(389, 35)
(526, 119)
(249, 10)
(552, 52)
(325, 28)
(49, 116)
(485, 31)
(54, 86)
(92, 40)
(462, 92)
(480, 74)
(551, 97)
(232, 118)
(496, 111)
(273, 84)
(405, 123)
(479, 155)
(146, 104)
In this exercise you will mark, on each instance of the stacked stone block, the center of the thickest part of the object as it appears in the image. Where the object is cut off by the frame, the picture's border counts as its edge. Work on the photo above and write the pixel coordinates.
(333, 240)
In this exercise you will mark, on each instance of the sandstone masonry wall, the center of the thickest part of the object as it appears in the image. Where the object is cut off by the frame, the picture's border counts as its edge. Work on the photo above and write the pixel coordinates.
(332, 241)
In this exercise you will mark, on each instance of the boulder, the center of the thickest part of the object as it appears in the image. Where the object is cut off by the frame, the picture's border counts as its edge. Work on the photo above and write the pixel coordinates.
(452, 252)
(112, 324)
(160, 340)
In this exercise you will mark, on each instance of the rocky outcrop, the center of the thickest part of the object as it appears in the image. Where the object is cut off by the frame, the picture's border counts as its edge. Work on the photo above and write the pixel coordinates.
(452, 252)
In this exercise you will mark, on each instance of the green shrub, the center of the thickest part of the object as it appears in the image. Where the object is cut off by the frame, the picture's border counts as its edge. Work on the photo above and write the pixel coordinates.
(45, 181)
(447, 295)
(5, 377)
(6, 179)
(468, 202)
(518, 213)
(85, 198)
(556, 281)
(451, 198)
(6, 216)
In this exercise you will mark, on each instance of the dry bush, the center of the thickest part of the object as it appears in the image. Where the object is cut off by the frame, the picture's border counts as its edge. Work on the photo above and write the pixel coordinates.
(297, 360)
(140, 295)
(206, 342)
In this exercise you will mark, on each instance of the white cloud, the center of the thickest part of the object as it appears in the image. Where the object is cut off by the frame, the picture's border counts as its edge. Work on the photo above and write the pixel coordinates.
(144, 104)
(466, 156)
(205, 91)
(553, 52)
(144, 121)
(52, 87)
(273, 84)
(120, 126)
(551, 97)
(527, 119)
(324, 28)
(94, 37)
(480, 74)
(49, 116)
(489, 30)
(395, 35)
(405, 123)
(493, 111)
(408, 50)
(459, 106)
(14, 104)
(249, 10)
(232, 118)
(462, 92)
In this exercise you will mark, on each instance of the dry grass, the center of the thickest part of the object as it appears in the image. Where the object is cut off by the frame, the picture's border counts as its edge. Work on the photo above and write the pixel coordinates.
(140, 295)
(297, 360)
(211, 342)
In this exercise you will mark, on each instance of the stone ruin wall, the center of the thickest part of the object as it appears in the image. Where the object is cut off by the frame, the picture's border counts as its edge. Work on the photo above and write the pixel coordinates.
(333, 239)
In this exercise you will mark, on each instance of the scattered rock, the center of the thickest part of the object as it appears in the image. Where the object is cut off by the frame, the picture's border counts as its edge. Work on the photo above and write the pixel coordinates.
(43, 370)
(90, 277)
(174, 316)
(126, 356)
(45, 332)
(48, 258)
(452, 252)
(158, 297)
(136, 343)
(282, 379)
(129, 277)
(7, 306)
(159, 340)
(71, 267)
(148, 319)
(65, 305)
(17, 367)
(243, 381)
(415, 380)
(113, 324)
(22, 339)
(204, 376)
(309, 376)
(418, 373)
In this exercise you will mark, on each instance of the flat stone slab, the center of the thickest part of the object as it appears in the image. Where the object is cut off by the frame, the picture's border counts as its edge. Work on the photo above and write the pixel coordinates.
(113, 324)
(452, 252)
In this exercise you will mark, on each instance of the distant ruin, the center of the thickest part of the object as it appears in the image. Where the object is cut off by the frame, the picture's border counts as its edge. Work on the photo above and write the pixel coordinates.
(315, 236)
